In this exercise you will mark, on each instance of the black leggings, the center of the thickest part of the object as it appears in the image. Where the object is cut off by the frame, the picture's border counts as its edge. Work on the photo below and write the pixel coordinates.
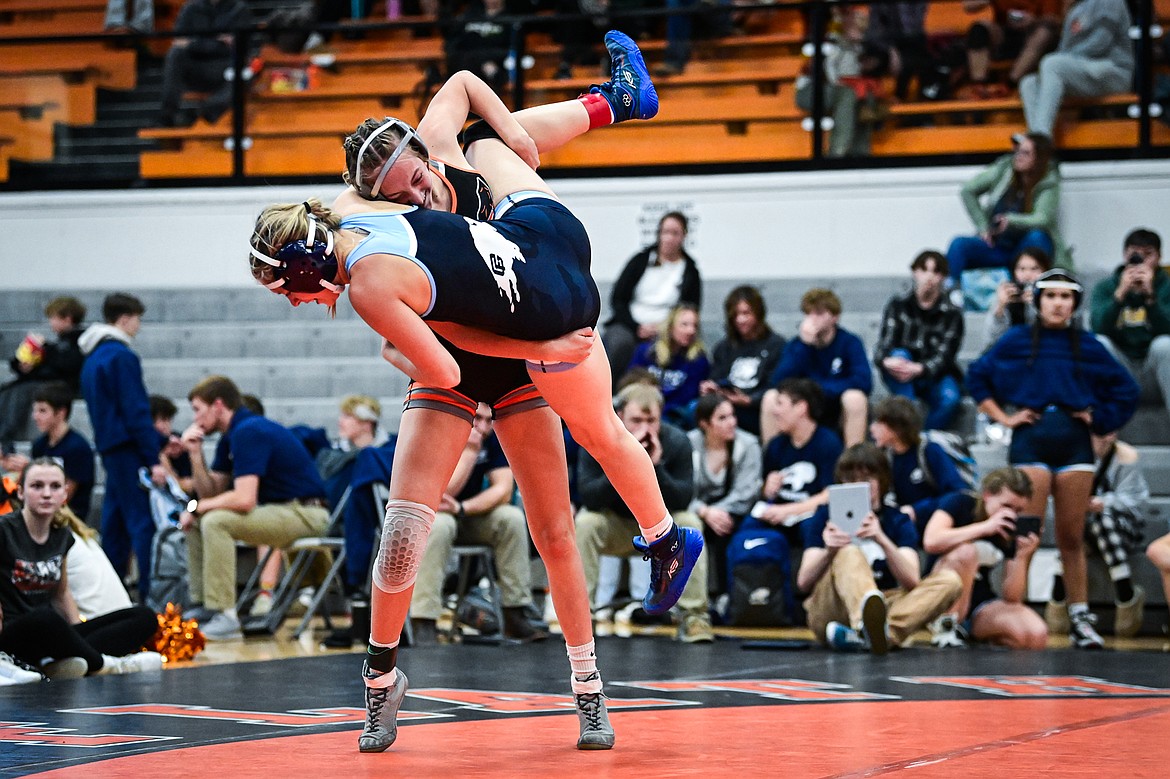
(44, 633)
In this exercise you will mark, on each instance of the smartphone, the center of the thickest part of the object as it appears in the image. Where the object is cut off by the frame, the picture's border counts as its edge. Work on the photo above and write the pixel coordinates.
(1028, 524)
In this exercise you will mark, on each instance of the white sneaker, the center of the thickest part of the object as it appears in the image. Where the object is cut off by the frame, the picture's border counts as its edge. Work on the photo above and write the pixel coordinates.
(11, 672)
(66, 668)
(261, 605)
(223, 626)
(947, 633)
(135, 663)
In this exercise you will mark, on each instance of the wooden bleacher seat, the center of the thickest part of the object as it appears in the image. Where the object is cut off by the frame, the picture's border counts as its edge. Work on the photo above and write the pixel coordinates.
(77, 61)
(51, 17)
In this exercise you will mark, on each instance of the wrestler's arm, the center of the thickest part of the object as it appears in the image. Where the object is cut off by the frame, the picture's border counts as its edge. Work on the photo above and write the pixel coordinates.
(572, 347)
(394, 317)
(349, 202)
(464, 94)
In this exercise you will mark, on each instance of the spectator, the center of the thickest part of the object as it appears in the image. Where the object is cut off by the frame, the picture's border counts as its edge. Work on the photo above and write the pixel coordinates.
(1014, 204)
(52, 406)
(853, 88)
(38, 361)
(1013, 298)
(919, 343)
(921, 472)
(963, 519)
(578, 37)
(653, 282)
(41, 618)
(263, 489)
(900, 30)
(1020, 30)
(680, 30)
(111, 381)
(678, 361)
(141, 19)
(1094, 59)
(172, 454)
(477, 509)
(198, 57)
(1053, 384)
(1159, 553)
(746, 357)
(727, 479)
(831, 356)
(865, 591)
(1131, 313)
(1114, 523)
(479, 42)
(604, 523)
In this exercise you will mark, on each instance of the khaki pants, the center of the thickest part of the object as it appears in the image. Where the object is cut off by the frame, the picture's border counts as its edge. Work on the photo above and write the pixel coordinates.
(605, 533)
(211, 547)
(503, 529)
(837, 597)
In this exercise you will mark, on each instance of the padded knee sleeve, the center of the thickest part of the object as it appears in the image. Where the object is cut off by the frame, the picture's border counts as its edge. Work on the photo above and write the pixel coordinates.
(404, 538)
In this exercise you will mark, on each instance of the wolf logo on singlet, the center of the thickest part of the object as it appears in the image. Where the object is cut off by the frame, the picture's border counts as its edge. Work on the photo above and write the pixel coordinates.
(500, 254)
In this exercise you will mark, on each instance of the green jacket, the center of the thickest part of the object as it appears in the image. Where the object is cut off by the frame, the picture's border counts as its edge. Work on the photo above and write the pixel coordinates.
(1132, 340)
(981, 193)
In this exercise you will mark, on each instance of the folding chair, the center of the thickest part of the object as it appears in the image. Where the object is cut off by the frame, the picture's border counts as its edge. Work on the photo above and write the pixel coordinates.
(304, 553)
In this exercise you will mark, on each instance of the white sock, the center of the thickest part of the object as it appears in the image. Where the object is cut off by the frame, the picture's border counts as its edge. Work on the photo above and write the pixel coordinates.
(583, 659)
(655, 532)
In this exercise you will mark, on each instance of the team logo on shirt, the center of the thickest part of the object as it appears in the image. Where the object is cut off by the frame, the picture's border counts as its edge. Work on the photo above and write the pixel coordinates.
(36, 575)
(797, 478)
(500, 255)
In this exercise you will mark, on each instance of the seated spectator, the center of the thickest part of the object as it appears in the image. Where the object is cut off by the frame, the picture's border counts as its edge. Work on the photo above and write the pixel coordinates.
(1131, 313)
(1013, 298)
(578, 38)
(1159, 553)
(198, 57)
(727, 479)
(1093, 59)
(40, 616)
(37, 362)
(919, 343)
(899, 29)
(1020, 30)
(677, 359)
(831, 356)
(94, 583)
(865, 591)
(477, 509)
(605, 525)
(479, 42)
(52, 406)
(853, 89)
(652, 283)
(680, 29)
(262, 489)
(922, 473)
(1114, 524)
(744, 360)
(979, 613)
(1014, 204)
(172, 455)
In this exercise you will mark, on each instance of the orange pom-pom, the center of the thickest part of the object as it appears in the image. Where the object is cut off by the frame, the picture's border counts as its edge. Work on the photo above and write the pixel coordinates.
(176, 638)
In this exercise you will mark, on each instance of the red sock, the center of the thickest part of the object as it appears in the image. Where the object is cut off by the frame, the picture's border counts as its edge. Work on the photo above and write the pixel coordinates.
(600, 114)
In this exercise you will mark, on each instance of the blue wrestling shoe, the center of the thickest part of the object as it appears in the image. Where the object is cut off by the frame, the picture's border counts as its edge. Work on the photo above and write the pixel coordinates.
(630, 92)
(672, 558)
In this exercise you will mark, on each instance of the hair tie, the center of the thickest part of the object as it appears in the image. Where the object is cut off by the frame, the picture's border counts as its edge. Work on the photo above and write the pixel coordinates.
(308, 208)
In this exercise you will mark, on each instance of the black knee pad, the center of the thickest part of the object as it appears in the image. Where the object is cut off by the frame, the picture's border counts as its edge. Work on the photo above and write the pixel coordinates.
(477, 132)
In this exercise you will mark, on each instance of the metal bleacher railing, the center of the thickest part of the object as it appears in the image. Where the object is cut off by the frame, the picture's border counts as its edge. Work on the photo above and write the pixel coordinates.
(79, 105)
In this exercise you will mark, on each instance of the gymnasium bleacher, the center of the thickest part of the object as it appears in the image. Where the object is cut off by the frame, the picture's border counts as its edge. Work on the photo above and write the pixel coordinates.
(80, 109)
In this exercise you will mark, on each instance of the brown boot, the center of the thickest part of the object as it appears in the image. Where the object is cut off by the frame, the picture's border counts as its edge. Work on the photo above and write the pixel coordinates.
(518, 626)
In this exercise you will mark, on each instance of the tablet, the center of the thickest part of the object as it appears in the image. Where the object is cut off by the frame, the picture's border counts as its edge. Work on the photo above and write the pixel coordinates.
(849, 505)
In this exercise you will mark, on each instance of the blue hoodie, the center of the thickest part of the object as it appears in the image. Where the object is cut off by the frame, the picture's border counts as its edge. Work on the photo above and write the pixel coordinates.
(1007, 373)
(111, 382)
(839, 366)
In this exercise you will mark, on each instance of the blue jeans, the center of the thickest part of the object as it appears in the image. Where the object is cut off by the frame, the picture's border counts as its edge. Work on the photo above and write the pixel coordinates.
(968, 252)
(942, 397)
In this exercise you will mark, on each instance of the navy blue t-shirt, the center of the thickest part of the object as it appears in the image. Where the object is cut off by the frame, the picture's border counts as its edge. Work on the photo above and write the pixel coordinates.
(913, 488)
(76, 457)
(257, 446)
(809, 468)
(491, 457)
(897, 526)
(181, 463)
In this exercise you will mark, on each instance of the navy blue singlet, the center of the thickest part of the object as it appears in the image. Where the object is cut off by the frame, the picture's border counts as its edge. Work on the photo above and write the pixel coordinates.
(525, 275)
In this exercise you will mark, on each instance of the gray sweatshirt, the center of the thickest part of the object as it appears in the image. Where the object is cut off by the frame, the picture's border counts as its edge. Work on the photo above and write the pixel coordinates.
(1099, 29)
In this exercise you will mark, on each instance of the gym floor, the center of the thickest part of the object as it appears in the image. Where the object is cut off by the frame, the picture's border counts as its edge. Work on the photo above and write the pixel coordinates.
(741, 706)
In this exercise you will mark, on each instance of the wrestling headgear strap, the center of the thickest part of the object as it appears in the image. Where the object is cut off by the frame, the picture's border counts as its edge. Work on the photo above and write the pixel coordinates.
(409, 135)
(304, 270)
(1057, 278)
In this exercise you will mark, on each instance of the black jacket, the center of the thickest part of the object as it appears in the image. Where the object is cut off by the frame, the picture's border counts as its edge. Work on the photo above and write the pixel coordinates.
(690, 290)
